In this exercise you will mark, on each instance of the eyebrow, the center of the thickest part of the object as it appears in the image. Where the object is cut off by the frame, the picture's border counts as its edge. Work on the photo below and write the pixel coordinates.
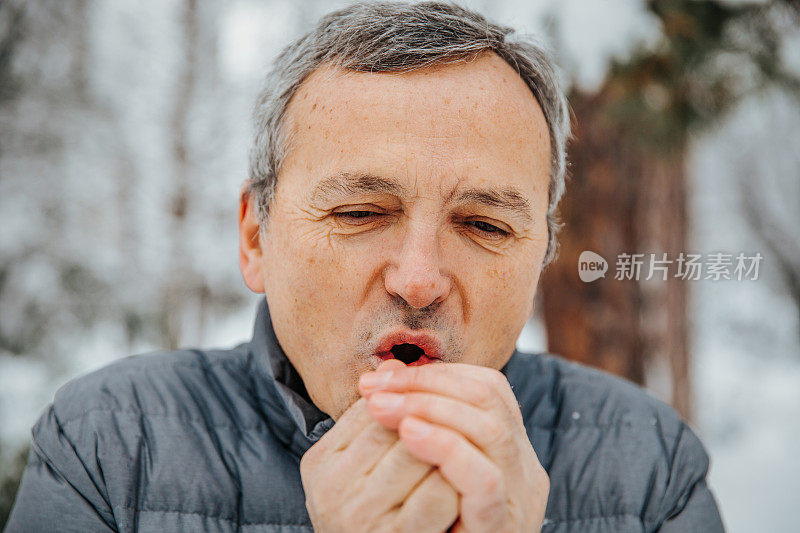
(346, 183)
(508, 199)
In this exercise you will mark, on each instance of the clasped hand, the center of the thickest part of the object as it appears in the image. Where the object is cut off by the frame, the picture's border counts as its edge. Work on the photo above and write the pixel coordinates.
(427, 448)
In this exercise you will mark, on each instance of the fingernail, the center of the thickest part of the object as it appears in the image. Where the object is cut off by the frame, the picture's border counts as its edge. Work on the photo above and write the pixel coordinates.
(386, 401)
(376, 380)
(416, 428)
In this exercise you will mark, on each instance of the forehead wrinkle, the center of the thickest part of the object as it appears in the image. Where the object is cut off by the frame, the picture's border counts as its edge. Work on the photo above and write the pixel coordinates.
(507, 198)
(349, 183)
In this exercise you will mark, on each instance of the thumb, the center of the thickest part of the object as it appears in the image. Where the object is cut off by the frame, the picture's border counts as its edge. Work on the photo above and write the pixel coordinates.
(390, 364)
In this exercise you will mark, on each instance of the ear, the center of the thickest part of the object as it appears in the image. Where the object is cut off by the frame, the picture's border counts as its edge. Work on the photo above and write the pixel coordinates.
(250, 253)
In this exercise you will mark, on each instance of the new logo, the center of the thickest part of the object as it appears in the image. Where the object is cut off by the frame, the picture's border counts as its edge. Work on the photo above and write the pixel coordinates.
(591, 266)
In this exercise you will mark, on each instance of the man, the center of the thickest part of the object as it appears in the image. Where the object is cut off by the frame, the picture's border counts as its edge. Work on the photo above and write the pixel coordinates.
(407, 165)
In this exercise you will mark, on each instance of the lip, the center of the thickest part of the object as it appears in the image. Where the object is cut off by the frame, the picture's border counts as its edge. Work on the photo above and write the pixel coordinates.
(428, 342)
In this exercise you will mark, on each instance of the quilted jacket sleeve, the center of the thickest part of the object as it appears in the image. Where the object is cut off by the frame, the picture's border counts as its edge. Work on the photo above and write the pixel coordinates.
(689, 505)
(699, 514)
(58, 486)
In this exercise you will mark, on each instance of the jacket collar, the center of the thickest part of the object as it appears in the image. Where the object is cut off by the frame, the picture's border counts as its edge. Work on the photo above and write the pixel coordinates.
(289, 411)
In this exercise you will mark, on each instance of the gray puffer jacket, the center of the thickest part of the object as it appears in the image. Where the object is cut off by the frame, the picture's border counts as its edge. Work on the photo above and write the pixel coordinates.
(210, 441)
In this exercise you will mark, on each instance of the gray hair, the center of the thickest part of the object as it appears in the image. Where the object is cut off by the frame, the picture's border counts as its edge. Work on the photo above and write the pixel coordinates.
(401, 37)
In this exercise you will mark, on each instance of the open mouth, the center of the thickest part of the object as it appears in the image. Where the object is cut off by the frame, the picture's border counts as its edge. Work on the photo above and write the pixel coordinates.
(407, 353)
(412, 348)
(410, 354)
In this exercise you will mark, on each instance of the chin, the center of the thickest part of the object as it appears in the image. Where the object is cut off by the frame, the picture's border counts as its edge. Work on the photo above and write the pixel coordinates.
(344, 403)
(337, 395)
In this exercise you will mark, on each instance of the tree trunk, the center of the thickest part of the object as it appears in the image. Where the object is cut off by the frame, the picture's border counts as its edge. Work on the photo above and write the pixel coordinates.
(178, 282)
(621, 198)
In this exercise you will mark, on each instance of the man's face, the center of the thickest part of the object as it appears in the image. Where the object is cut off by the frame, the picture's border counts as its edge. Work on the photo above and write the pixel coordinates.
(411, 209)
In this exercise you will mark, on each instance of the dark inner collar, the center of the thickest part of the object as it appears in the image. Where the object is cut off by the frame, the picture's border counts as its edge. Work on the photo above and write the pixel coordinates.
(283, 395)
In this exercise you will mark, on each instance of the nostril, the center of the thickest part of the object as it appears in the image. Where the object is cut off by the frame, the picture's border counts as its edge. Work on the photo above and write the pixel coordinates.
(416, 276)
(407, 353)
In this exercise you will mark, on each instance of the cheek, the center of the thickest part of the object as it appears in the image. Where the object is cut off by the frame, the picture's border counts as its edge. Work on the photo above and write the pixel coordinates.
(502, 295)
(319, 272)
(505, 290)
(315, 287)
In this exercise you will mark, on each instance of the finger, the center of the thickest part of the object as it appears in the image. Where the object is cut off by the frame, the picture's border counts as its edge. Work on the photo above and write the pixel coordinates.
(333, 482)
(390, 364)
(395, 476)
(353, 422)
(450, 382)
(335, 440)
(361, 502)
(494, 379)
(483, 387)
(478, 480)
(482, 428)
(432, 506)
(364, 452)
(350, 424)
(354, 419)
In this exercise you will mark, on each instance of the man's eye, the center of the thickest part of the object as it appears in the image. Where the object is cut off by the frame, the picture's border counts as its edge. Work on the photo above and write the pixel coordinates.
(357, 216)
(486, 228)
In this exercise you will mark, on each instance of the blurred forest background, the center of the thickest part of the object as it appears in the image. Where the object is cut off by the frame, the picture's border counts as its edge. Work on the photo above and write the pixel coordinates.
(124, 130)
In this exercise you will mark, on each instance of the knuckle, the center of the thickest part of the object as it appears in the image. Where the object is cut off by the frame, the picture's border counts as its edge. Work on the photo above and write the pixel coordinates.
(500, 441)
(494, 515)
(352, 414)
(496, 433)
(496, 379)
(443, 499)
(377, 436)
(358, 409)
(483, 396)
(494, 485)
(417, 405)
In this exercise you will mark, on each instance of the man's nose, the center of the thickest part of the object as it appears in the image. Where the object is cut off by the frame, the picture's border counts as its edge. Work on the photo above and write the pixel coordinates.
(415, 274)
